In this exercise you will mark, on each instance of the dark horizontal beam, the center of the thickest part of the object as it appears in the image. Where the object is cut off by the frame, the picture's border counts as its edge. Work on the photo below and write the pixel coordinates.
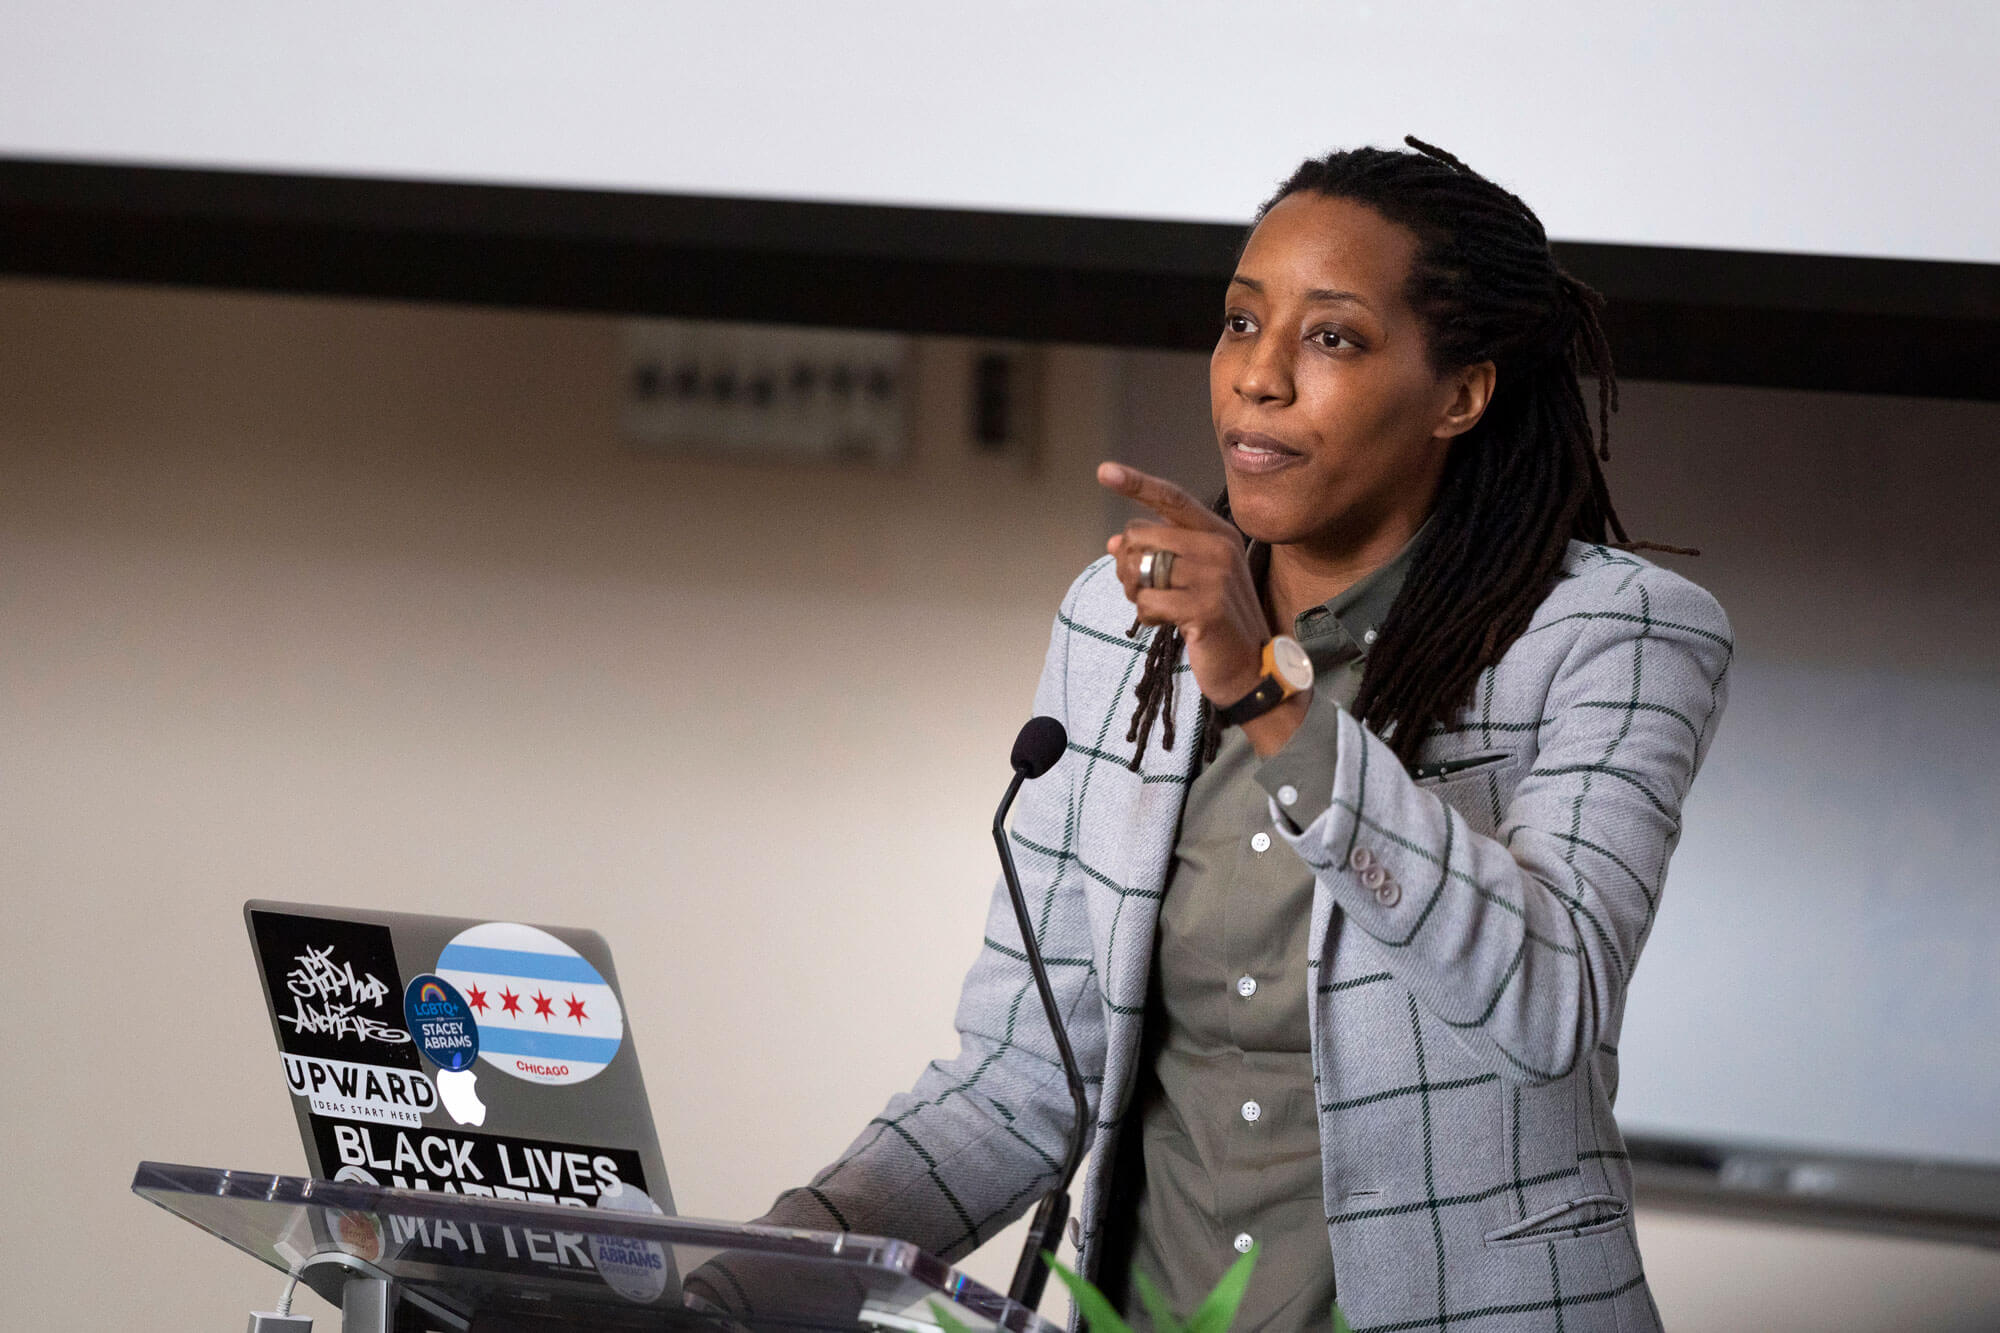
(1923, 1198)
(1705, 316)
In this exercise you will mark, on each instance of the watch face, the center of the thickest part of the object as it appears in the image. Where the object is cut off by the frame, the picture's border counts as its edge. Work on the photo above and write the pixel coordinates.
(1288, 656)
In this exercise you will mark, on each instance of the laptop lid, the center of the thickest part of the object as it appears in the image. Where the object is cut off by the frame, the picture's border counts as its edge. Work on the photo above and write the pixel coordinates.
(490, 1058)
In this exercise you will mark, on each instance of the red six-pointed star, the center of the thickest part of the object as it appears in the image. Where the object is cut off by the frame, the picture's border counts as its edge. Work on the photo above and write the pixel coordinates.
(544, 1005)
(510, 1002)
(575, 1008)
(479, 999)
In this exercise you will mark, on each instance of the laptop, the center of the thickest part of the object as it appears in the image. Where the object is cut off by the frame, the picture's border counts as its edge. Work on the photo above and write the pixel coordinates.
(476, 1057)
(494, 1059)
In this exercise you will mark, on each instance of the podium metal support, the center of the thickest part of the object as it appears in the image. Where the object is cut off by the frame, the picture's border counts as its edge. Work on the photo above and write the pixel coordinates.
(368, 1297)
(367, 1305)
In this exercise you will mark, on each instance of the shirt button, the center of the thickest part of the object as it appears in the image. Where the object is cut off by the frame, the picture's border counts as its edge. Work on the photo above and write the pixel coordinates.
(1260, 842)
(1243, 1242)
(1246, 986)
(1369, 637)
(1252, 1112)
(1288, 795)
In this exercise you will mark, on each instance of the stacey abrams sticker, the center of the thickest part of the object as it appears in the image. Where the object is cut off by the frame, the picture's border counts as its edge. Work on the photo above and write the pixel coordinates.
(441, 1023)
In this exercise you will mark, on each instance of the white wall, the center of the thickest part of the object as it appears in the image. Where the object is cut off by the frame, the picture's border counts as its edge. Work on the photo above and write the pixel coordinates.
(362, 602)
(1828, 126)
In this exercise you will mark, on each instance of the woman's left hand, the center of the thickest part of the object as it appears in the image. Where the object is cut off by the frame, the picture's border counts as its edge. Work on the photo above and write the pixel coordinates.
(1211, 595)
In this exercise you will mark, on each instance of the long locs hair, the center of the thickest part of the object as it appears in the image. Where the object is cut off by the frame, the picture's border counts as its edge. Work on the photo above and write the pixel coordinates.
(1517, 487)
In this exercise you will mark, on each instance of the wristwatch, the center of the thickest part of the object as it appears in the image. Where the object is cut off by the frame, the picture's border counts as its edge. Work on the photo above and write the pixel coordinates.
(1287, 670)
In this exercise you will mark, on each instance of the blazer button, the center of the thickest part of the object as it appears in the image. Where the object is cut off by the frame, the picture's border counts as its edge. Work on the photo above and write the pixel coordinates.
(1360, 859)
(1374, 877)
(1389, 894)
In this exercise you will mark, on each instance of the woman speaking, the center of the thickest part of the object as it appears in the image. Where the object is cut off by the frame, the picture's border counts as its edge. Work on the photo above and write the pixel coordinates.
(1374, 771)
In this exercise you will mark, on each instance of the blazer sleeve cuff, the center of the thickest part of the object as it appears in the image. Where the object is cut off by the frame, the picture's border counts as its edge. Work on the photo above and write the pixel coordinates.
(1326, 833)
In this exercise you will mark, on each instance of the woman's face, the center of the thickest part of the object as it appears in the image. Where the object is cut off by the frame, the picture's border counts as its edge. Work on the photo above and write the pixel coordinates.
(1331, 422)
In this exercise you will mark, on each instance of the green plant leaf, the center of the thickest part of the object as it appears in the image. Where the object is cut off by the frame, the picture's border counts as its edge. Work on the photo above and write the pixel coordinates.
(1090, 1302)
(1218, 1310)
(1156, 1305)
(1340, 1324)
(947, 1321)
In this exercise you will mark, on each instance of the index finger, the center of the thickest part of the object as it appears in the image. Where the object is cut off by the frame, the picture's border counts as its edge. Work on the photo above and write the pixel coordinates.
(1161, 496)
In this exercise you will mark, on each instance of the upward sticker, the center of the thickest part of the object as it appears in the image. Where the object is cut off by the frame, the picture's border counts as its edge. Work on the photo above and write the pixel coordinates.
(360, 1092)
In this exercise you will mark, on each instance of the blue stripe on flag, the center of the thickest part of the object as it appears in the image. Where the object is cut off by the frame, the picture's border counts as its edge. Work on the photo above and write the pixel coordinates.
(548, 1045)
(518, 963)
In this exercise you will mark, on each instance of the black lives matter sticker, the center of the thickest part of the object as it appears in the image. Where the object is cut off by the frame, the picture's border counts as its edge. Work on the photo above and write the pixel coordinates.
(491, 1166)
(484, 1165)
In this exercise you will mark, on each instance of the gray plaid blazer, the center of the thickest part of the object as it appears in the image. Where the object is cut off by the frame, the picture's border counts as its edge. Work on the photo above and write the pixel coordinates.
(1473, 931)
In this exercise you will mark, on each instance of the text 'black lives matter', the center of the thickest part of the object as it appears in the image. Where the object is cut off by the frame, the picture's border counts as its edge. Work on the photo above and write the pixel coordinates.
(483, 1165)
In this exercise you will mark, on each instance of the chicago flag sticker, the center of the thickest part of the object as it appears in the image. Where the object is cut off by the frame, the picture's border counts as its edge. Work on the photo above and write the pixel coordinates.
(544, 1013)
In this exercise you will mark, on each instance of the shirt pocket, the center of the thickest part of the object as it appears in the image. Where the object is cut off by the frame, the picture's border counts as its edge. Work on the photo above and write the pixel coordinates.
(1585, 1216)
(1437, 772)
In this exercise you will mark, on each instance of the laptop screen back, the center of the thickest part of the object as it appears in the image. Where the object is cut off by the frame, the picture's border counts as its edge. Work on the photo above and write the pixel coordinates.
(489, 1058)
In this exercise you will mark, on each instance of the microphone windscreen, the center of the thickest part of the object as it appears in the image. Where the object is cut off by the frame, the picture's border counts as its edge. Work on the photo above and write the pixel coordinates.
(1039, 745)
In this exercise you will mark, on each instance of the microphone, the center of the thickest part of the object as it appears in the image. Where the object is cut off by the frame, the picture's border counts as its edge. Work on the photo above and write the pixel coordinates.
(1040, 744)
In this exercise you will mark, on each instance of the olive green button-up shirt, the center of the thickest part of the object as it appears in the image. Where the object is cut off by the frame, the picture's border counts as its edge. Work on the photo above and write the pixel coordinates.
(1225, 1108)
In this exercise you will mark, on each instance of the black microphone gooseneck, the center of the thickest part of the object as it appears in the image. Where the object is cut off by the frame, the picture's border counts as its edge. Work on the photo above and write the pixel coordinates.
(1036, 750)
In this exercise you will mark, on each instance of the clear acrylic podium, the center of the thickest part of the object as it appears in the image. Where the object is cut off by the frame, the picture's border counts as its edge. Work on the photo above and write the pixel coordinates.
(396, 1261)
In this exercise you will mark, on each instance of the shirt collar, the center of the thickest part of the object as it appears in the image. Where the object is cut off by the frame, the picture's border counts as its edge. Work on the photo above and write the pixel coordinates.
(1342, 628)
